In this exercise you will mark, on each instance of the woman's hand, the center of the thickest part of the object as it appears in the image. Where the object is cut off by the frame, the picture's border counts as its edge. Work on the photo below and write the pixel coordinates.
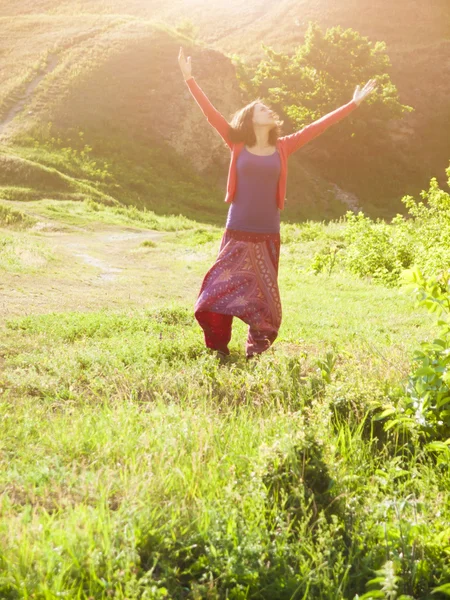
(185, 65)
(359, 94)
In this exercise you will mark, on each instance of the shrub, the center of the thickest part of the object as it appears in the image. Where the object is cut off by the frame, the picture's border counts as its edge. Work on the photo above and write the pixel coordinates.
(428, 386)
(430, 228)
(326, 258)
(374, 250)
(383, 251)
(14, 218)
(425, 407)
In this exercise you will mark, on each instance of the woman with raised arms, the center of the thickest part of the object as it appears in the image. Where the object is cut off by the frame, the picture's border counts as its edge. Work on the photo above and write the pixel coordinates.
(243, 281)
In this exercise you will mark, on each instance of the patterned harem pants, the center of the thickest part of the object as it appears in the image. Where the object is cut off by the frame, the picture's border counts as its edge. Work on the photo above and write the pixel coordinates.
(243, 283)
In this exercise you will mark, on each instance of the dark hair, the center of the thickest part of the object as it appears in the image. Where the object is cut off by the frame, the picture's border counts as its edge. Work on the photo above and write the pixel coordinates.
(241, 126)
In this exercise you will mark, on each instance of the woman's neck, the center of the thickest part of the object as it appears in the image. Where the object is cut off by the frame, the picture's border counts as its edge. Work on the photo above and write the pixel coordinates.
(262, 137)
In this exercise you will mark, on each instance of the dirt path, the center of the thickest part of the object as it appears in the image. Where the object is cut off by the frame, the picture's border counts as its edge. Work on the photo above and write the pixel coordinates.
(91, 269)
(20, 104)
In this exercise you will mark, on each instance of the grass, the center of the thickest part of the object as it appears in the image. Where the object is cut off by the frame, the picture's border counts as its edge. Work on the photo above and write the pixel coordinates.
(14, 218)
(91, 212)
(112, 176)
(135, 465)
(162, 468)
(23, 253)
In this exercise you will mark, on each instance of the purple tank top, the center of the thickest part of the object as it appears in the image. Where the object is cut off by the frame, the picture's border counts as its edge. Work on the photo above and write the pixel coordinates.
(254, 207)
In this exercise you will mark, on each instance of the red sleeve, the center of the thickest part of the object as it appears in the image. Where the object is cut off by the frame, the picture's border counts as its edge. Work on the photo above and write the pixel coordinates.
(213, 116)
(298, 139)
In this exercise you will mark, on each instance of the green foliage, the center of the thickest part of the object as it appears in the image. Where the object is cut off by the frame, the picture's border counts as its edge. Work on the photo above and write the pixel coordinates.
(383, 251)
(173, 476)
(14, 218)
(91, 211)
(187, 28)
(307, 231)
(102, 325)
(149, 244)
(25, 179)
(109, 170)
(143, 217)
(428, 387)
(15, 171)
(24, 253)
(322, 75)
(327, 258)
(200, 236)
(424, 409)
(297, 481)
(74, 150)
(387, 581)
(442, 589)
(327, 365)
(429, 228)
(373, 249)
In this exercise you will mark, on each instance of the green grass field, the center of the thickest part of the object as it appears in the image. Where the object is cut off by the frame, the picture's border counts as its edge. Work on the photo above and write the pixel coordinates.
(135, 465)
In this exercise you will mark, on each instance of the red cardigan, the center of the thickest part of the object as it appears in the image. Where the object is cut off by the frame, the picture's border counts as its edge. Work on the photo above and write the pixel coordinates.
(286, 145)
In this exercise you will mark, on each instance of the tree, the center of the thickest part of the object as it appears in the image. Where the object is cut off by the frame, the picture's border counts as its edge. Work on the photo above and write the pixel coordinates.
(322, 75)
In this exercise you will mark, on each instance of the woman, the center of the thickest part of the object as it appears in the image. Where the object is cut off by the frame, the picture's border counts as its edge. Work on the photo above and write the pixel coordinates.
(243, 280)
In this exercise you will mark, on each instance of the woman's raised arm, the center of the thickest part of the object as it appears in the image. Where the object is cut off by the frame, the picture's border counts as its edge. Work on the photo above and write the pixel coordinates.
(214, 117)
(298, 139)
(295, 141)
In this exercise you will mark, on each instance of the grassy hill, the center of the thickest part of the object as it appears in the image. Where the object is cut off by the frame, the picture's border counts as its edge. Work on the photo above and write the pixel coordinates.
(108, 72)
(99, 116)
(420, 22)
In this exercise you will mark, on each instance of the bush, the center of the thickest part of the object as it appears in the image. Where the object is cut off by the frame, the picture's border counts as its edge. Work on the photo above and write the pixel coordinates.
(326, 258)
(430, 228)
(425, 407)
(14, 218)
(376, 249)
(383, 251)
(428, 386)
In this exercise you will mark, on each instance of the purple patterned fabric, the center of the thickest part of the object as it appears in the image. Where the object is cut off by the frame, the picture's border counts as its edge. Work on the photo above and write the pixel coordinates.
(242, 283)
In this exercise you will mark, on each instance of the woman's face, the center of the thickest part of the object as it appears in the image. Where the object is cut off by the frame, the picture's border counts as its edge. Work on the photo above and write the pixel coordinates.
(262, 115)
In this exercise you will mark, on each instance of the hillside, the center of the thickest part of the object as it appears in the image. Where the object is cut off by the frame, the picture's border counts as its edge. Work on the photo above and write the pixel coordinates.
(106, 89)
(417, 34)
(422, 21)
(110, 71)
